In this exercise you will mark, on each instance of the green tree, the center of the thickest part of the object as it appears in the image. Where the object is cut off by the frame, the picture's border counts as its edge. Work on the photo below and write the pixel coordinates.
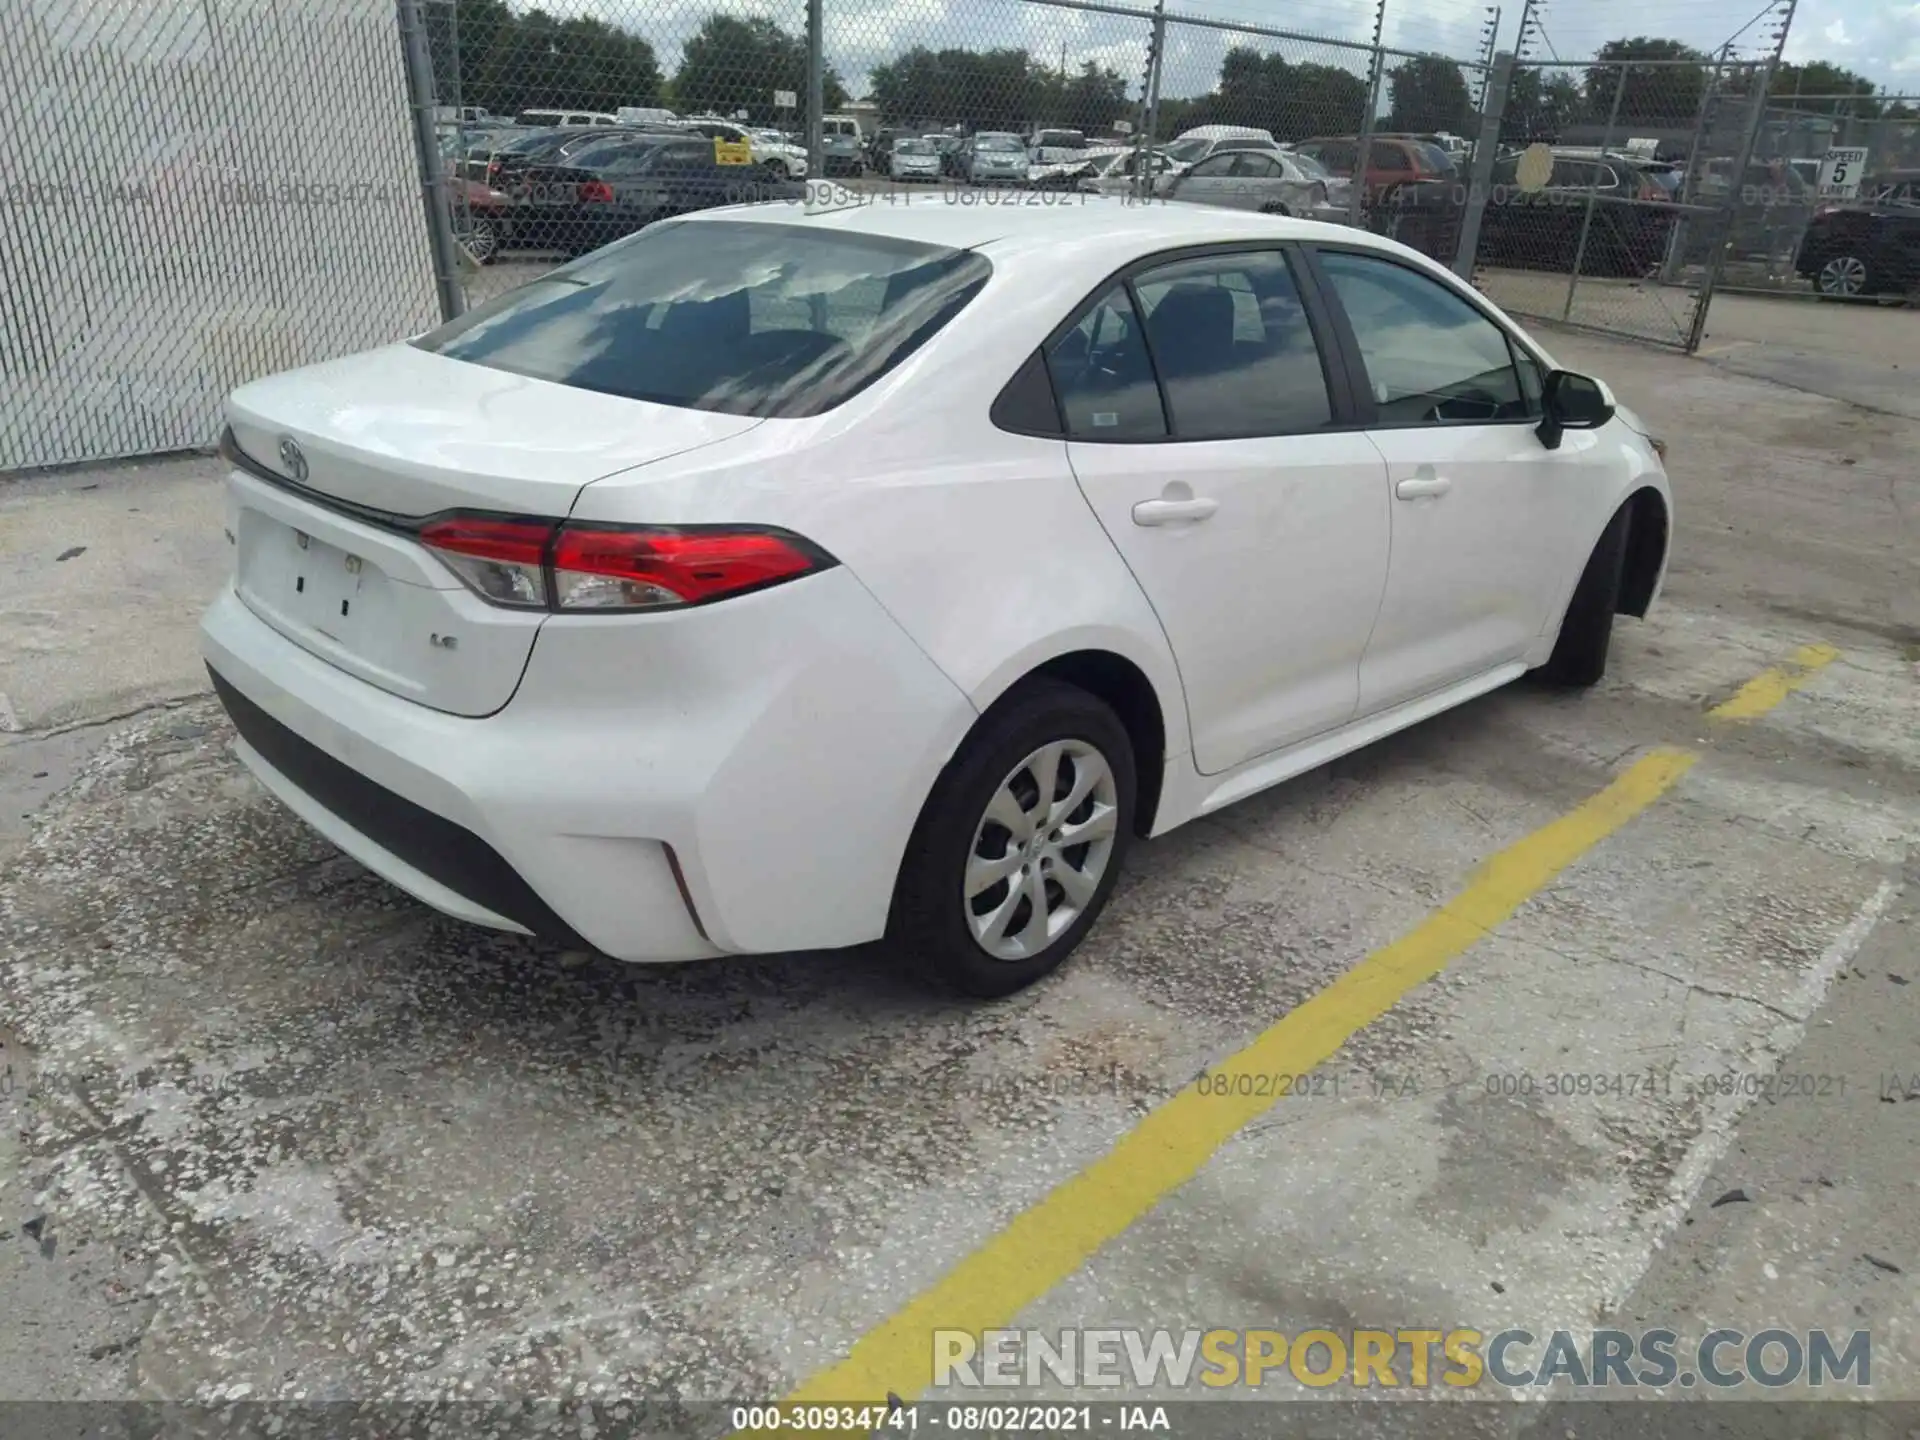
(979, 89)
(1540, 108)
(1817, 88)
(1666, 91)
(1429, 93)
(506, 62)
(735, 63)
(1293, 101)
(1089, 101)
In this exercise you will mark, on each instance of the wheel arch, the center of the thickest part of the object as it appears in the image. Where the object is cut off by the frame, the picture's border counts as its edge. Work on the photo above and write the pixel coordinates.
(1648, 539)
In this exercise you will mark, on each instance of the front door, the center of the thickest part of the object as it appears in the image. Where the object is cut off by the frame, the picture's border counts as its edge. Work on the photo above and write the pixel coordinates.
(1488, 524)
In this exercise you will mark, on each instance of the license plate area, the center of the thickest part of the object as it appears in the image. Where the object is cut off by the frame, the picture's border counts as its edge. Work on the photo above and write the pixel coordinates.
(311, 585)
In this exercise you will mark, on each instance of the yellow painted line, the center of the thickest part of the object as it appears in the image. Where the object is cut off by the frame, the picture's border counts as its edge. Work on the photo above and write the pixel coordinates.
(1048, 1242)
(1771, 686)
(1053, 1238)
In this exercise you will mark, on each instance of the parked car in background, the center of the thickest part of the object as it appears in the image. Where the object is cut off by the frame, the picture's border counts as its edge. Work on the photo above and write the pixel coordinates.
(644, 115)
(994, 157)
(1196, 144)
(840, 152)
(1115, 171)
(1055, 147)
(879, 147)
(949, 145)
(618, 185)
(778, 159)
(542, 115)
(912, 158)
(1541, 229)
(1391, 161)
(1866, 246)
(482, 218)
(1252, 177)
(550, 147)
(1339, 190)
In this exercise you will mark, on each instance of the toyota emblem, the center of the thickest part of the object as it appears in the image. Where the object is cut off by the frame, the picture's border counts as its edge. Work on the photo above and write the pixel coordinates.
(293, 459)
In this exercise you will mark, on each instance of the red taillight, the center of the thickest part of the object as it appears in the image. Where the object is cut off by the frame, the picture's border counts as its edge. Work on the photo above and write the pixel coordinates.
(538, 565)
(643, 569)
(501, 561)
(493, 171)
(595, 192)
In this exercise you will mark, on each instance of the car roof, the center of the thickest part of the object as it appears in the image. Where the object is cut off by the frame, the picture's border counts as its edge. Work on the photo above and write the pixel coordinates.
(1109, 230)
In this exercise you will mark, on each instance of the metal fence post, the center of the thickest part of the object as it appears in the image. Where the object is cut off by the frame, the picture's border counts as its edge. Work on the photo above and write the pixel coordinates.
(1676, 257)
(1480, 183)
(1363, 152)
(1716, 261)
(1157, 43)
(1593, 195)
(418, 58)
(816, 89)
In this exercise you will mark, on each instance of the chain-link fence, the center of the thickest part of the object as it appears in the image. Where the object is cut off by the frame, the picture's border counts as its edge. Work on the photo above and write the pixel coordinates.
(179, 218)
(1822, 164)
(554, 136)
(240, 223)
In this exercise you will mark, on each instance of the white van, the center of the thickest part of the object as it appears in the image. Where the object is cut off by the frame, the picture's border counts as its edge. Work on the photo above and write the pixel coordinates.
(565, 119)
(840, 142)
(645, 115)
(1196, 144)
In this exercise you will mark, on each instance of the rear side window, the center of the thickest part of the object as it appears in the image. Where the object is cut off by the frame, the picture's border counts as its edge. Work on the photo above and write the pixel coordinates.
(1234, 348)
(739, 317)
(1103, 376)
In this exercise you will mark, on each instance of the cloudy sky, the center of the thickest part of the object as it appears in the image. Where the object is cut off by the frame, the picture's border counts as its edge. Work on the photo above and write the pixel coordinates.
(1877, 38)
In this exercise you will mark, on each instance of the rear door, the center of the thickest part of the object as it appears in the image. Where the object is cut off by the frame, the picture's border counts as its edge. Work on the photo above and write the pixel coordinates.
(1211, 182)
(1256, 528)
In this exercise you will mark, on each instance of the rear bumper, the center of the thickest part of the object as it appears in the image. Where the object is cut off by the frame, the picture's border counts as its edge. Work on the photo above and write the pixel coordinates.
(656, 790)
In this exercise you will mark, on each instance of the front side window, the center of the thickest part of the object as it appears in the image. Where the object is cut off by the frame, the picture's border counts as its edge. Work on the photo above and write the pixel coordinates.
(1432, 358)
(1216, 168)
(738, 317)
(1233, 347)
(1103, 377)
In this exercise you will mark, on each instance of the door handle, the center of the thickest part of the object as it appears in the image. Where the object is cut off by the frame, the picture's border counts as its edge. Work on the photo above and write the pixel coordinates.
(1425, 485)
(1172, 512)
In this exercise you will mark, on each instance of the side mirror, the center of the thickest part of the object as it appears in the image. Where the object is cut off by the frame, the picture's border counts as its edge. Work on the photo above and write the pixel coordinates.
(1573, 402)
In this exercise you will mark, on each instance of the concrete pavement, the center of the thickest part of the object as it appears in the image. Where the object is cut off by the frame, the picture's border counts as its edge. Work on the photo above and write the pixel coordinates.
(336, 1146)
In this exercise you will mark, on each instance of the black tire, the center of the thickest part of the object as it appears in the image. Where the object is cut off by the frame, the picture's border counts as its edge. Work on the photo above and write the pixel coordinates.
(928, 923)
(1580, 653)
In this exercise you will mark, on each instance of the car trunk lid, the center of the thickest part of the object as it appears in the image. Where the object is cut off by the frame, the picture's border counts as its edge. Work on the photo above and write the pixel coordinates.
(336, 465)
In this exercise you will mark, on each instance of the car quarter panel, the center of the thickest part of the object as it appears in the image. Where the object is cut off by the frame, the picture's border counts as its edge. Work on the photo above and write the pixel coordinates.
(977, 541)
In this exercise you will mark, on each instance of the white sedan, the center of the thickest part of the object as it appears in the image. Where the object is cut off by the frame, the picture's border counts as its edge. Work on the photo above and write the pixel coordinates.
(775, 580)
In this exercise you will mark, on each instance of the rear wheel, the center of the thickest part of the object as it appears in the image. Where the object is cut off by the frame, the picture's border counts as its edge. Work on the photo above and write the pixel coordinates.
(1586, 632)
(1018, 847)
(1844, 277)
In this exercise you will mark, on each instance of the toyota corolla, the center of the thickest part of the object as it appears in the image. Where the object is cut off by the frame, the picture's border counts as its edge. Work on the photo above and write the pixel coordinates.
(775, 580)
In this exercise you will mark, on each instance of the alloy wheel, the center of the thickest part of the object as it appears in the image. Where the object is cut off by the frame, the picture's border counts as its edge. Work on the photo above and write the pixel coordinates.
(480, 240)
(1843, 275)
(1040, 850)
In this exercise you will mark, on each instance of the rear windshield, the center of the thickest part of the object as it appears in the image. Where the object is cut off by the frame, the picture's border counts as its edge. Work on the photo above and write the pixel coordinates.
(740, 317)
(1061, 140)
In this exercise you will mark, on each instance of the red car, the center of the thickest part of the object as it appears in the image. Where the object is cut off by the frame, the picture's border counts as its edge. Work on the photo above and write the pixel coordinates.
(1393, 160)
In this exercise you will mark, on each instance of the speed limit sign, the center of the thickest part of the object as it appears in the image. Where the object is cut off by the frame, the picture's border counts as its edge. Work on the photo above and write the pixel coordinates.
(1840, 172)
